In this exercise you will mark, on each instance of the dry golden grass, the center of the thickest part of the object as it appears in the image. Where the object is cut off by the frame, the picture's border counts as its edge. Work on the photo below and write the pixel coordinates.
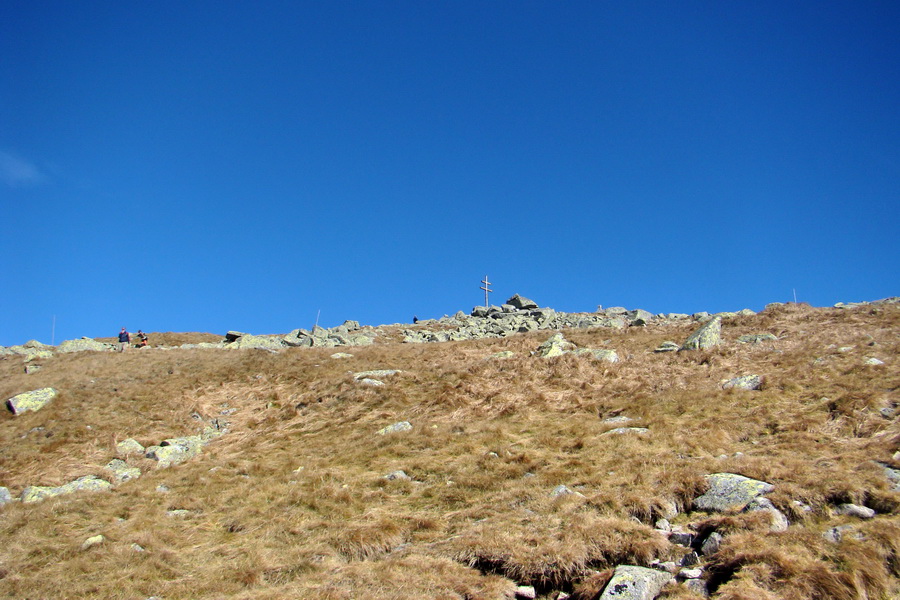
(293, 503)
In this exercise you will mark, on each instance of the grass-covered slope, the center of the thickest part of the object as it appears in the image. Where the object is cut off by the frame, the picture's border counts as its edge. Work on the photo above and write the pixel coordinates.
(293, 501)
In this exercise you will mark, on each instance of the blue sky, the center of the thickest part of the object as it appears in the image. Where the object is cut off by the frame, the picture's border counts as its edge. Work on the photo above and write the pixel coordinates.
(206, 166)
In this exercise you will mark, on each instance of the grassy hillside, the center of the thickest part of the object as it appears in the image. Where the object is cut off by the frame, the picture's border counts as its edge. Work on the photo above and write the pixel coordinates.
(293, 501)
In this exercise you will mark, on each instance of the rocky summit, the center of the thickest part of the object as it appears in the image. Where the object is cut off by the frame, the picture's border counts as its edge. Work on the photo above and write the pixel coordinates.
(505, 452)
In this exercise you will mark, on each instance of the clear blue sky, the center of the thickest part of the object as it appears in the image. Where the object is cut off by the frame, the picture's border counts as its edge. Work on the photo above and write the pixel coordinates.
(206, 166)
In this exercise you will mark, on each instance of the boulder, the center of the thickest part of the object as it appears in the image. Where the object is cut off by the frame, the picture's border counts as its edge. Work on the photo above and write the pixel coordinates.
(667, 347)
(84, 344)
(246, 341)
(522, 303)
(635, 583)
(756, 338)
(557, 345)
(599, 354)
(711, 544)
(730, 491)
(30, 401)
(397, 475)
(5, 496)
(640, 317)
(855, 510)
(175, 450)
(89, 483)
(94, 540)
(707, 336)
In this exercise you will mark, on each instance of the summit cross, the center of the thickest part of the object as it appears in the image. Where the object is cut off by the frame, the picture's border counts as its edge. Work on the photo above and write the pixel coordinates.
(487, 290)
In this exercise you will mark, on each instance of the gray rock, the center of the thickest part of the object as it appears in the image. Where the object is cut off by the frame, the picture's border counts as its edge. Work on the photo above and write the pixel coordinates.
(84, 344)
(682, 538)
(246, 341)
(614, 311)
(711, 544)
(757, 338)
(640, 317)
(779, 520)
(690, 559)
(697, 586)
(557, 345)
(371, 382)
(29, 369)
(562, 490)
(707, 336)
(526, 592)
(635, 583)
(175, 450)
(873, 362)
(395, 428)
(522, 303)
(744, 382)
(625, 430)
(854, 510)
(30, 401)
(92, 541)
(375, 373)
(397, 475)
(5, 496)
(667, 347)
(599, 354)
(121, 472)
(619, 420)
(129, 446)
(893, 475)
(730, 491)
(89, 483)
(836, 534)
(690, 573)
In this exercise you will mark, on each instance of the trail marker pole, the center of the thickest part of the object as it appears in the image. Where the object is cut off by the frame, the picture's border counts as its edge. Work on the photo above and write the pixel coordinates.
(487, 290)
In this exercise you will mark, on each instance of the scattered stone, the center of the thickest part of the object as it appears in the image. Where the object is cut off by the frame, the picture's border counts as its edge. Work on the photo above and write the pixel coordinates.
(5, 496)
(526, 592)
(396, 428)
(690, 573)
(708, 336)
(395, 475)
(711, 544)
(779, 520)
(730, 491)
(504, 354)
(663, 525)
(836, 534)
(757, 338)
(178, 512)
(30, 401)
(625, 430)
(29, 369)
(375, 373)
(90, 483)
(745, 382)
(681, 538)
(562, 490)
(667, 347)
(873, 362)
(639, 317)
(635, 583)
(162, 489)
(618, 420)
(137, 548)
(690, 559)
(601, 354)
(697, 586)
(129, 446)
(175, 450)
(92, 541)
(854, 510)
(893, 475)
(338, 355)
(371, 382)
(121, 471)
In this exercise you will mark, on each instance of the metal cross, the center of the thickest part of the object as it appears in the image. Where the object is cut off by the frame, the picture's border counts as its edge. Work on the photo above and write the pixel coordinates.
(487, 290)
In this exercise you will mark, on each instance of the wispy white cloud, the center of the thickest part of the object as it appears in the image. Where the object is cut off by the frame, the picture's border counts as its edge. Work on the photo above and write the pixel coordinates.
(17, 172)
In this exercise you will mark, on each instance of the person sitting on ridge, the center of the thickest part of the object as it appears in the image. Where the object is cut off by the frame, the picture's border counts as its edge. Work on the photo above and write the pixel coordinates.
(142, 339)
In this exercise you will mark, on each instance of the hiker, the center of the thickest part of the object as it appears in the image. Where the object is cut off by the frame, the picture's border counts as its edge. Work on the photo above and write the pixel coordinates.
(142, 339)
(415, 319)
(124, 338)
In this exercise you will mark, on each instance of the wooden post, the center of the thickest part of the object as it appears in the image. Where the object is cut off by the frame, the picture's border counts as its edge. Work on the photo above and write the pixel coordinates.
(487, 289)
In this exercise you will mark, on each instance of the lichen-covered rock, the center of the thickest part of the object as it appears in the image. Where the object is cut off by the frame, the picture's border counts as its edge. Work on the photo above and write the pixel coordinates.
(557, 345)
(625, 430)
(522, 303)
(730, 491)
(84, 344)
(779, 522)
(635, 583)
(121, 471)
(375, 373)
(5, 496)
(94, 540)
(396, 428)
(89, 483)
(246, 341)
(756, 338)
(371, 382)
(667, 347)
(744, 382)
(599, 354)
(129, 446)
(175, 450)
(707, 336)
(30, 401)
